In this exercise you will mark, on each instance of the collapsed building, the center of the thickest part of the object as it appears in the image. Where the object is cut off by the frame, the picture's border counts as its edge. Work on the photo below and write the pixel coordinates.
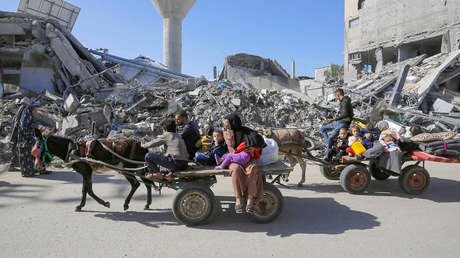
(378, 32)
(257, 72)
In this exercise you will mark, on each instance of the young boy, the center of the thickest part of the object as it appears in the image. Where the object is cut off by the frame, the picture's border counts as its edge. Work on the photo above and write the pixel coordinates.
(218, 147)
(339, 146)
(176, 152)
(204, 144)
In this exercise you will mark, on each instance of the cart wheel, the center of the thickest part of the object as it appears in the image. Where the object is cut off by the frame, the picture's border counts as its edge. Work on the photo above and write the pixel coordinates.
(330, 172)
(414, 179)
(194, 204)
(376, 172)
(355, 178)
(269, 206)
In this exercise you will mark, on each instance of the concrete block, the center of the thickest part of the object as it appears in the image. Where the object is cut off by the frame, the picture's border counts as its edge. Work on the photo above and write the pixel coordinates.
(236, 102)
(71, 103)
(70, 124)
(442, 106)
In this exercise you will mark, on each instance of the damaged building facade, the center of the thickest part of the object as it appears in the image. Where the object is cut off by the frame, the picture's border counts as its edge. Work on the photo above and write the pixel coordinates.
(378, 32)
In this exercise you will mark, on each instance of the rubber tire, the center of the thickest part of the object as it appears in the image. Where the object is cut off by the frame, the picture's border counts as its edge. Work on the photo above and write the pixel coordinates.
(205, 192)
(404, 179)
(376, 172)
(348, 171)
(273, 192)
(326, 172)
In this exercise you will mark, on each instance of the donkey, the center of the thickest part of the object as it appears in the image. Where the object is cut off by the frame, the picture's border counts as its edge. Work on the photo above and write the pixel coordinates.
(63, 147)
(291, 144)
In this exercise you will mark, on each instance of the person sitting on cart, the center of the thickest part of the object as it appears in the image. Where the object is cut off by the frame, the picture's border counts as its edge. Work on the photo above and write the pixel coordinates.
(339, 147)
(204, 144)
(176, 152)
(343, 119)
(189, 132)
(369, 136)
(354, 137)
(243, 155)
(218, 148)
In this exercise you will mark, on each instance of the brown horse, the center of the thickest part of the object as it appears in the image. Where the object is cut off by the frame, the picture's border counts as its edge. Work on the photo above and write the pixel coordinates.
(292, 144)
(63, 148)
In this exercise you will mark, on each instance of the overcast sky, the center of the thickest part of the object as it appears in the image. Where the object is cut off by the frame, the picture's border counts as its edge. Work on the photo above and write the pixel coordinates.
(309, 31)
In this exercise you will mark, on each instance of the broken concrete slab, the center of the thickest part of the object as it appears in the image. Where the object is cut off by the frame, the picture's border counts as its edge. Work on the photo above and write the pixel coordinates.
(442, 106)
(71, 103)
(424, 86)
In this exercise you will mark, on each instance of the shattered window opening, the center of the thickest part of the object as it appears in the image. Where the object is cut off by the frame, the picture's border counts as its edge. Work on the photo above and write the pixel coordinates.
(361, 4)
(353, 22)
(354, 56)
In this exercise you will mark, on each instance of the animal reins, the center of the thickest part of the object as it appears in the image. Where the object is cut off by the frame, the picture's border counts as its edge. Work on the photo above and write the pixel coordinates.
(121, 157)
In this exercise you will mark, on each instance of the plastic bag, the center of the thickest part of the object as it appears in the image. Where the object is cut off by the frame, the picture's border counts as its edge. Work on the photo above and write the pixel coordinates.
(269, 153)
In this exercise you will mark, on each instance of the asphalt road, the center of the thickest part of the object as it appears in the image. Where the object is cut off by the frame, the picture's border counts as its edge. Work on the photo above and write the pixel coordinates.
(319, 220)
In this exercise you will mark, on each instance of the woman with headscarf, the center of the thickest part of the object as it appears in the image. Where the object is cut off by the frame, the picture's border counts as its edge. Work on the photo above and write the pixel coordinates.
(26, 140)
(246, 180)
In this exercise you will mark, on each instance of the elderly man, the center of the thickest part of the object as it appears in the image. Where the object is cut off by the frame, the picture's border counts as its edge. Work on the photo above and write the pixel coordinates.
(190, 132)
(342, 120)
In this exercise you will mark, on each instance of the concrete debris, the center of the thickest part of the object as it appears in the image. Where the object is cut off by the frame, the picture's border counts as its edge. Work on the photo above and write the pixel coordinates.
(71, 103)
(420, 91)
(77, 89)
(257, 72)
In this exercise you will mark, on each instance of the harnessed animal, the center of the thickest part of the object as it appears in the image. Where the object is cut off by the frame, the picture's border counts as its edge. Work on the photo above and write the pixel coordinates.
(291, 144)
(128, 150)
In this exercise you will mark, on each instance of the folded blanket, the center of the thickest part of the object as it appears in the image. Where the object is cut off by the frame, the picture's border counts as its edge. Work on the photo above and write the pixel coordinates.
(428, 137)
(453, 154)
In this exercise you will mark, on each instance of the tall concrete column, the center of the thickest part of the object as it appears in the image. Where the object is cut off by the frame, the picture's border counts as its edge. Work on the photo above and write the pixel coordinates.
(172, 44)
(293, 69)
(173, 13)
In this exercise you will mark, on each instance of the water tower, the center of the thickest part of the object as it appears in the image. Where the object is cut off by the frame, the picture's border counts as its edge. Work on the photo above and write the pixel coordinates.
(173, 13)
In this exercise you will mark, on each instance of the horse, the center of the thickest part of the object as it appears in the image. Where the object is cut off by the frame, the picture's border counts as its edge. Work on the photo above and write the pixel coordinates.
(64, 147)
(292, 144)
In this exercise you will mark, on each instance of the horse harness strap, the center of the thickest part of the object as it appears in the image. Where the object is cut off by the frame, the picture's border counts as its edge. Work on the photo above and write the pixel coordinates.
(121, 157)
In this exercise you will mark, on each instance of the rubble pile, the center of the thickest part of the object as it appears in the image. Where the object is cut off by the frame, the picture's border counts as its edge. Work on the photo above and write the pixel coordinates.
(423, 96)
(129, 111)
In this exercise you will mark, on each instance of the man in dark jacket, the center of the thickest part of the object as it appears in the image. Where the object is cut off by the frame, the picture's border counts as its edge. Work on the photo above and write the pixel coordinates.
(342, 120)
(190, 132)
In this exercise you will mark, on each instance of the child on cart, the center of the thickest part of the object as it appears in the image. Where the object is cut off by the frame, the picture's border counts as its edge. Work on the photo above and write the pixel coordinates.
(218, 148)
(204, 144)
(176, 153)
(355, 137)
(339, 147)
(242, 155)
(369, 136)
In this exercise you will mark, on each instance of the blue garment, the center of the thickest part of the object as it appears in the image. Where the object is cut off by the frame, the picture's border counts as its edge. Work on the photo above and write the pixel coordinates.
(368, 144)
(190, 134)
(335, 126)
(374, 133)
(156, 162)
(209, 158)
